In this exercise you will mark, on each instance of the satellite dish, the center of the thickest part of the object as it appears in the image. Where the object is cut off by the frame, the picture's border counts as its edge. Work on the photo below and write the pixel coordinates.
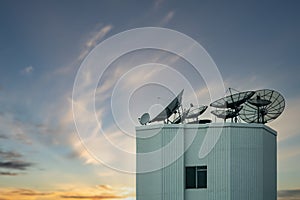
(144, 119)
(233, 100)
(196, 112)
(265, 106)
(181, 117)
(169, 110)
(231, 104)
(193, 115)
(258, 102)
(227, 114)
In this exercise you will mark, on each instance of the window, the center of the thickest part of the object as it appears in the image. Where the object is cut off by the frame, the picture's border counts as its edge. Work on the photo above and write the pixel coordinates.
(190, 177)
(202, 177)
(196, 177)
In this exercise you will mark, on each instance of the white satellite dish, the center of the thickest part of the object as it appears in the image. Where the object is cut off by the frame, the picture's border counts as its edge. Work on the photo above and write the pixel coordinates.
(145, 118)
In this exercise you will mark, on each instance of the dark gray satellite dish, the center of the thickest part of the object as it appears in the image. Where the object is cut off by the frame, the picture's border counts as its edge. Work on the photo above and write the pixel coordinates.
(227, 114)
(145, 118)
(181, 117)
(193, 115)
(265, 106)
(231, 104)
(172, 108)
(233, 100)
(196, 112)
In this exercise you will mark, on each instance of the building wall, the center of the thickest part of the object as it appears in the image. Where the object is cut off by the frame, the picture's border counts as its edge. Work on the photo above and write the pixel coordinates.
(246, 160)
(218, 167)
(242, 164)
(168, 182)
(270, 166)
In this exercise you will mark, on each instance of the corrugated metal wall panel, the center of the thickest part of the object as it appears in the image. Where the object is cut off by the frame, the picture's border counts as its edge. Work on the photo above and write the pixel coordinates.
(246, 163)
(241, 166)
(173, 174)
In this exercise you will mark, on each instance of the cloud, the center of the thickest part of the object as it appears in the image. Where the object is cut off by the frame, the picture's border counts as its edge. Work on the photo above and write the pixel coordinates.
(75, 192)
(105, 187)
(19, 165)
(30, 134)
(83, 103)
(285, 123)
(9, 154)
(2, 136)
(158, 3)
(27, 192)
(27, 70)
(289, 194)
(91, 197)
(79, 151)
(92, 40)
(23, 193)
(101, 192)
(15, 128)
(8, 174)
(287, 133)
(96, 37)
(167, 18)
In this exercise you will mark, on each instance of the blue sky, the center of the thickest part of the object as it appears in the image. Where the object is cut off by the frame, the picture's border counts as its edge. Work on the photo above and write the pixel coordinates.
(255, 44)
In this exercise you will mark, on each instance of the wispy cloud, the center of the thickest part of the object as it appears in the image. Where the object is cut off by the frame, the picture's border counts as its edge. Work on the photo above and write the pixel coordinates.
(23, 193)
(9, 154)
(13, 127)
(19, 165)
(119, 71)
(91, 197)
(158, 3)
(167, 18)
(2, 136)
(8, 174)
(27, 192)
(93, 38)
(285, 123)
(27, 70)
(105, 187)
(80, 152)
(96, 37)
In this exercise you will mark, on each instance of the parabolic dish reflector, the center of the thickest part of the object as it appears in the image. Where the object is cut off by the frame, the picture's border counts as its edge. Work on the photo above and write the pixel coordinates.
(144, 119)
(226, 114)
(233, 101)
(265, 106)
(170, 109)
(194, 113)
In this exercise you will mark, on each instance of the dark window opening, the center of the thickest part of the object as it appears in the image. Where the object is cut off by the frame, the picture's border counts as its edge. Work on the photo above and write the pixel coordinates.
(196, 177)
(190, 177)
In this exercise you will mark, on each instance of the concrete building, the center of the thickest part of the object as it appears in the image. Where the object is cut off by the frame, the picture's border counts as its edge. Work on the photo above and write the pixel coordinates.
(231, 161)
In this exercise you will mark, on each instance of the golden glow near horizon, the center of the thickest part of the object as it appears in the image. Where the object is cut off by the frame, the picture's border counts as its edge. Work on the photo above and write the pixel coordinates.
(104, 192)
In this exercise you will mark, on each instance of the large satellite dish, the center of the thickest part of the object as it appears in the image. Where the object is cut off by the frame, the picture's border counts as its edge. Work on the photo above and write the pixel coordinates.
(181, 117)
(233, 100)
(193, 115)
(265, 106)
(172, 108)
(196, 112)
(227, 114)
(169, 110)
(231, 105)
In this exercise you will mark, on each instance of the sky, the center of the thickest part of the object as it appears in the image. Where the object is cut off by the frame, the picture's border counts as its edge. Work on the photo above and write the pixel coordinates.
(254, 45)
